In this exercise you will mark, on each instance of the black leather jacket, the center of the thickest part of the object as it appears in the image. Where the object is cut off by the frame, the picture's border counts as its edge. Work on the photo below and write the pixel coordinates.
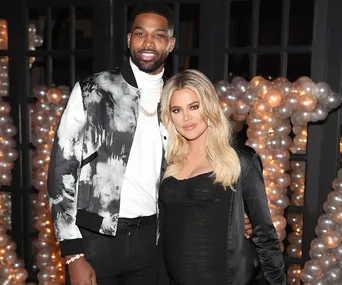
(246, 258)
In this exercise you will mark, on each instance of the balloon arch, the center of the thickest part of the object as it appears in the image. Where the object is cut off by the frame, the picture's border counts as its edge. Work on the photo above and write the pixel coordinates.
(277, 113)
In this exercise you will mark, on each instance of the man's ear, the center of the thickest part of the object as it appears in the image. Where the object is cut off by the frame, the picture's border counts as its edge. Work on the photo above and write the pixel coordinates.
(129, 40)
(172, 44)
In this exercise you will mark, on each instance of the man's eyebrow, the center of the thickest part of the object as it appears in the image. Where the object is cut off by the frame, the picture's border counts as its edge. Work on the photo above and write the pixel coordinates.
(156, 29)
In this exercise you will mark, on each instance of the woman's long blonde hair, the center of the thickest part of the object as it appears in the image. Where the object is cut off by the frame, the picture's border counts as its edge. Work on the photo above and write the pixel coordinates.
(221, 155)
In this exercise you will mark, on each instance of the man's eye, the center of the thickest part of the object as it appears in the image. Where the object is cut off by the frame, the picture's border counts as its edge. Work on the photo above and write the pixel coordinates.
(139, 34)
(160, 36)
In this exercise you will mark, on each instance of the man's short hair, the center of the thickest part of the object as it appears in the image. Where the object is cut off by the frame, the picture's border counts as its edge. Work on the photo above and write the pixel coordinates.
(155, 8)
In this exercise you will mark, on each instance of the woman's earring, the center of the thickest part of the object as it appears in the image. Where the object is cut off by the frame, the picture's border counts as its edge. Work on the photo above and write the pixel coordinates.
(174, 128)
(208, 123)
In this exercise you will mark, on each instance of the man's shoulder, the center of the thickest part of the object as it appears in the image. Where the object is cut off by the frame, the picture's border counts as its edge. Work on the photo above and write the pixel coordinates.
(106, 75)
(245, 153)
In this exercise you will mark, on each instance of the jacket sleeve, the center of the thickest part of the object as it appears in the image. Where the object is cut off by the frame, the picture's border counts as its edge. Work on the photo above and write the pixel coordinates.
(264, 235)
(64, 169)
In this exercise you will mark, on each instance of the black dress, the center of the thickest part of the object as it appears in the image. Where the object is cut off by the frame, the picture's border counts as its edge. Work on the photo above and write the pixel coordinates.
(194, 223)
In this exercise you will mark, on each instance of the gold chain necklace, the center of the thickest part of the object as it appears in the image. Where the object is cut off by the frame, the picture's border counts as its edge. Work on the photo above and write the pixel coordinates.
(146, 113)
(151, 114)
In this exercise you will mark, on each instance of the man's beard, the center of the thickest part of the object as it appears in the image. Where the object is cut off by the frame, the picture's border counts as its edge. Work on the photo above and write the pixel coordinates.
(148, 66)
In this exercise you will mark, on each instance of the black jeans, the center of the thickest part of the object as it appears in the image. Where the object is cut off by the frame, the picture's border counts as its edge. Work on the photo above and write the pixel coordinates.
(129, 258)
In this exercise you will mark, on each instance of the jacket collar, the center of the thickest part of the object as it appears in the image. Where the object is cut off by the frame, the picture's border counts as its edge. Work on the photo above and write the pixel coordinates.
(128, 75)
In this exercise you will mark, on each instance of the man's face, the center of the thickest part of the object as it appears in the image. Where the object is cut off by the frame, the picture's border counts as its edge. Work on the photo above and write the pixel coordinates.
(150, 42)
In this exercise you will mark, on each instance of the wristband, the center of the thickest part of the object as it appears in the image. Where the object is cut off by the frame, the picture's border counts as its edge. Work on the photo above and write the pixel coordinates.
(72, 259)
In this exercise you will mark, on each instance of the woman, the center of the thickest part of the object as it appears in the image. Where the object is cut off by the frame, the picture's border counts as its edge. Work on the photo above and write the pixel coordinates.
(199, 220)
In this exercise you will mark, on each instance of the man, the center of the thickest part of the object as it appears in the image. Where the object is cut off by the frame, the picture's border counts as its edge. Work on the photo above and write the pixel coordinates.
(106, 162)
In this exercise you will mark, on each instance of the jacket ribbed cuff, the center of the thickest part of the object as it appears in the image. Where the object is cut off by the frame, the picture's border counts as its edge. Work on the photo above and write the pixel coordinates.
(71, 246)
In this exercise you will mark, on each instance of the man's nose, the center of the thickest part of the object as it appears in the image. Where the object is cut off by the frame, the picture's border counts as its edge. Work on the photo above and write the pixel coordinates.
(148, 41)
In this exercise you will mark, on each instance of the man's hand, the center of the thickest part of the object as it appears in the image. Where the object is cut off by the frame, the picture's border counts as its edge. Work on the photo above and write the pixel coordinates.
(248, 227)
(80, 272)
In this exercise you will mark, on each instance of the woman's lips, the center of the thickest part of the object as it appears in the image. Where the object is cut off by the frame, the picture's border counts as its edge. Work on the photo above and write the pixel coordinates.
(189, 127)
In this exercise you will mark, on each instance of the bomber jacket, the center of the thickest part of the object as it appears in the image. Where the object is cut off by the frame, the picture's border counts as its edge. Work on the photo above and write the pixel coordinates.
(258, 261)
(90, 154)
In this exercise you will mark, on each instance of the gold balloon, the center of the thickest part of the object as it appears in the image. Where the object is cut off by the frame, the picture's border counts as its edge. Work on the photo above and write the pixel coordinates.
(54, 95)
(272, 98)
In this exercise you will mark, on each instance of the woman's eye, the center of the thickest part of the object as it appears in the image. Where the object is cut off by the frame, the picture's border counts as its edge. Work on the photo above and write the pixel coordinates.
(175, 111)
(194, 107)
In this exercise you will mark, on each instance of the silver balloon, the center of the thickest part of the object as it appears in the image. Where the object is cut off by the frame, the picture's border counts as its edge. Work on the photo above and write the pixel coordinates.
(305, 277)
(332, 101)
(326, 222)
(283, 111)
(240, 84)
(283, 128)
(318, 245)
(221, 87)
(249, 97)
(335, 199)
(322, 91)
(315, 254)
(337, 184)
(319, 113)
(285, 142)
(231, 95)
(319, 231)
(327, 261)
(334, 275)
(313, 268)
(338, 252)
(241, 108)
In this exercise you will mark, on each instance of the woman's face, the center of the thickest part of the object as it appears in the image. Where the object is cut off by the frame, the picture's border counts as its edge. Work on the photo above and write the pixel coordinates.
(186, 116)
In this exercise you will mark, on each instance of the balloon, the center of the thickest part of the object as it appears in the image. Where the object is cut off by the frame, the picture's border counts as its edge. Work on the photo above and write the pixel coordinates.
(54, 95)
(261, 108)
(272, 98)
(291, 101)
(241, 108)
(226, 107)
(240, 84)
(221, 87)
(285, 142)
(326, 222)
(306, 88)
(283, 111)
(249, 97)
(263, 87)
(294, 251)
(332, 101)
(256, 80)
(294, 271)
(331, 239)
(306, 103)
(335, 199)
(40, 91)
(322, 91)
(43, 106)
(254, 119)
(334, 275)
(327, 261)
(231, 95)
(5, 107)
(282, 180)
(337, 183)
(20, 274)
(319, 113)
(9, 130)
(313, 268)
